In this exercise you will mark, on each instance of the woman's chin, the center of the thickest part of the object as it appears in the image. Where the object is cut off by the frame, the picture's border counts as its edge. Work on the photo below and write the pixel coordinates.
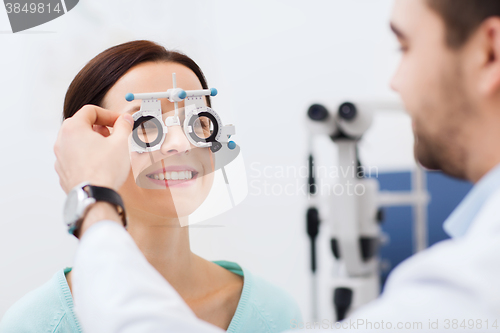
(168, 211)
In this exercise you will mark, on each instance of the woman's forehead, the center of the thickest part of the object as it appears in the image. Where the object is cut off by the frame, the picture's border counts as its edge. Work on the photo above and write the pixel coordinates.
(150, 77)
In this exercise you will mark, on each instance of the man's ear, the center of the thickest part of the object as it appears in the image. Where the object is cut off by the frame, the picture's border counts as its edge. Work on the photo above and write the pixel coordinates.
(490, 79)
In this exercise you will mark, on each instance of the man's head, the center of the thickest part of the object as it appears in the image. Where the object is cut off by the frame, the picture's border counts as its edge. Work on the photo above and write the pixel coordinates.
(449, 79)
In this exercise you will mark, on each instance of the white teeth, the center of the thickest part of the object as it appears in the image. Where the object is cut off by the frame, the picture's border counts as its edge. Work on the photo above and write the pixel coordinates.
(174, 175)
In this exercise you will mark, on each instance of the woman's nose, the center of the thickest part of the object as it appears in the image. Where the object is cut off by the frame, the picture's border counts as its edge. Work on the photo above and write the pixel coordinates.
(175, 141)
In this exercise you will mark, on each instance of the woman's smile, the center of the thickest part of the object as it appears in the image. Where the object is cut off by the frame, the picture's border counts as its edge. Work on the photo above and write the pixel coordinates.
(176, 175)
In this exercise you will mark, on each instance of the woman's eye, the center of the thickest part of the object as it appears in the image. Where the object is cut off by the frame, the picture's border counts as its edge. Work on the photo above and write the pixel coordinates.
(148, 125)
(204, 123)
(203, 127)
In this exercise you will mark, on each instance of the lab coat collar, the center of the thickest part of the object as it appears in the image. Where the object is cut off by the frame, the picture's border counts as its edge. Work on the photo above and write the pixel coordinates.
(457, 224)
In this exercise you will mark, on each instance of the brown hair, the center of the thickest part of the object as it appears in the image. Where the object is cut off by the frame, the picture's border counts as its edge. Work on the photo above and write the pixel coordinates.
(463, 17)
(94, 80)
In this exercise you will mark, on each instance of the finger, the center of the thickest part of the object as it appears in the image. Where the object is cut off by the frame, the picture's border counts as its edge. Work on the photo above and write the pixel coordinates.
(95, 115)
(103, 130)
(123, 126)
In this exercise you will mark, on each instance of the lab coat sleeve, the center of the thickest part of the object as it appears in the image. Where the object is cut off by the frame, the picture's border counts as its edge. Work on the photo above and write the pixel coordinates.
(116, 289)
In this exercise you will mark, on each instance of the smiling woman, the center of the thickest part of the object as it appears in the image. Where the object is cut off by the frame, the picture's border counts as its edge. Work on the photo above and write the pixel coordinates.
(221, 292)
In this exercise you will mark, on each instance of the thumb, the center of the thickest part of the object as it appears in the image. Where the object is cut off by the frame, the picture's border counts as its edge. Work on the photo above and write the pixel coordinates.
(123, 126)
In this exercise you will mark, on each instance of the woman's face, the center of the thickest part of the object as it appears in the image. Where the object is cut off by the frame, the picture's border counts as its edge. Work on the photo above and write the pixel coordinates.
(145, 193)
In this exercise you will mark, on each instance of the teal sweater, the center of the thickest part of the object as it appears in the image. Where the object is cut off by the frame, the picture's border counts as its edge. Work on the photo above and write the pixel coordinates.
(49, 309)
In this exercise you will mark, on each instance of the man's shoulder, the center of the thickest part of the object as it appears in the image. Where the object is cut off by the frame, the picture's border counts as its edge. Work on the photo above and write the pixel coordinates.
(460, 257)
(41, 310)
(463, 264)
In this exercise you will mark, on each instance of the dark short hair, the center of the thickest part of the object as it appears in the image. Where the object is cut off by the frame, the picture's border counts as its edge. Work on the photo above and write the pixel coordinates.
(97, 77)
(463, 17)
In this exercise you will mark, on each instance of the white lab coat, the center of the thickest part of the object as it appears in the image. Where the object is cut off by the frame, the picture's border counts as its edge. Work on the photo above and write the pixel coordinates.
(116, 289)
(455, 282)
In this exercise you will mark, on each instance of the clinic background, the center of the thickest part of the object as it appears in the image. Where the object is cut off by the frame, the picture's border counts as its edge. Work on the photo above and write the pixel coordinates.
(270, 60)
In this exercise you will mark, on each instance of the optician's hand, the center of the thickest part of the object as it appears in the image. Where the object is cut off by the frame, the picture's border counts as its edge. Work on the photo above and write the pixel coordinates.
(86, 151)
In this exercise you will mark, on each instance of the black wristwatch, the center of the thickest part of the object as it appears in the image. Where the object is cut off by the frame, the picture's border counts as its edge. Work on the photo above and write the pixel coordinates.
(82, 196)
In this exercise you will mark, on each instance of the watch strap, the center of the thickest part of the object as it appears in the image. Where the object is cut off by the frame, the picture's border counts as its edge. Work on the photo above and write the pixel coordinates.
(106, 194)
(100, 193)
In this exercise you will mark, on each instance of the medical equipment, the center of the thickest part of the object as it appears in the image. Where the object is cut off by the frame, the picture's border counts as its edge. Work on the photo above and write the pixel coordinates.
(354, 217)
(197, 115)
(185, 165)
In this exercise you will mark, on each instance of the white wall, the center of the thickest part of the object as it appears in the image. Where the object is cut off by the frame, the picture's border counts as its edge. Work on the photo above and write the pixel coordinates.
(269, 59)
